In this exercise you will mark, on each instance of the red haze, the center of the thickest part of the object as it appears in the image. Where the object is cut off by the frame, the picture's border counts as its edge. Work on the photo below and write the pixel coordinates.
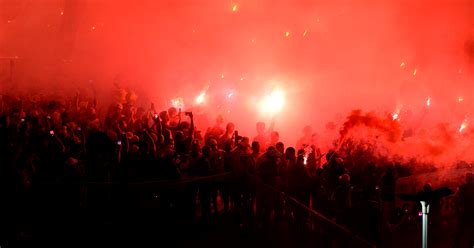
(329, 57)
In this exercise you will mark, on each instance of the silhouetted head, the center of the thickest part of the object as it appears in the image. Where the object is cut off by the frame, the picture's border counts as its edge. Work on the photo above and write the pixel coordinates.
(230, 127)
(290, 153)
(179, 136)
(164, 116)
(213, 144)
(345, 178)
(427, 187)
(280, 147)
(172, 112)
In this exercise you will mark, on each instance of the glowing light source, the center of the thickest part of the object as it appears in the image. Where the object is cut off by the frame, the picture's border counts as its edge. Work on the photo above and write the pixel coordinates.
(460, 99)
(234, 8)
(200, 99)
(414, 72)
(428, 102)
(463, 126)
(177, 102)
(273, 103)
(222, 75)
(230, 95)
(287, 34)
(395, 116)
(61, 13)
(307, 151)
(93, 27)
(402, 64)
(396, 113)
(305, 32)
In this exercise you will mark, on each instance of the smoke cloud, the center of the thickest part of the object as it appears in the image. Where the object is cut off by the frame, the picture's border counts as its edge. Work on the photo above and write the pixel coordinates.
(329, 57)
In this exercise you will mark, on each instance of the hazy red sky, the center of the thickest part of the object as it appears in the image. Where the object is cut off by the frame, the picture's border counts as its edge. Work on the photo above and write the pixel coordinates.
(337, 56)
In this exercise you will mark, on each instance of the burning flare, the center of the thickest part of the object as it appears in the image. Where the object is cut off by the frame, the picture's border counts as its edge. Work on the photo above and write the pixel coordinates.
(463, 125)
(177, 102)
(274, 102)
(200, 99)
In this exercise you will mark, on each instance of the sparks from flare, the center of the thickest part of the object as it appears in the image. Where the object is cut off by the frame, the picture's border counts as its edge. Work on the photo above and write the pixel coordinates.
(428, 102)
(307, 151)
(177, 102)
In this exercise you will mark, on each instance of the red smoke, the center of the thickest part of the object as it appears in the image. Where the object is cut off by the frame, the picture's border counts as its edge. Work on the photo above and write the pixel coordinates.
(330, 57)
(386, 126)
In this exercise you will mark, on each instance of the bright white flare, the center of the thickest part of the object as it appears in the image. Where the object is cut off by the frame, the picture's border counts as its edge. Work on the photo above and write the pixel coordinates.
(274, 102)
(200, 99)
(428, 102)
(395, 116)
(462, 127)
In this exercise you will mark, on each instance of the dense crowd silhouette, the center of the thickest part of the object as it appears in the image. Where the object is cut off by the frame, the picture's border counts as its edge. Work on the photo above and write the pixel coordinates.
(60, 153)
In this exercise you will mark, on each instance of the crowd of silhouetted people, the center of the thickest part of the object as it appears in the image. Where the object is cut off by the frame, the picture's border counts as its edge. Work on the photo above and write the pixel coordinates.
(63, 153)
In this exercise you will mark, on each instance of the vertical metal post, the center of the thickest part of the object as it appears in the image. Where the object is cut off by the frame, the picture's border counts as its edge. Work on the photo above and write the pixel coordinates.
(425, 209)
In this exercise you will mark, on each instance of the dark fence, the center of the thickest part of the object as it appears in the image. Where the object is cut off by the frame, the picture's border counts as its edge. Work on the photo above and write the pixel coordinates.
(182, 199)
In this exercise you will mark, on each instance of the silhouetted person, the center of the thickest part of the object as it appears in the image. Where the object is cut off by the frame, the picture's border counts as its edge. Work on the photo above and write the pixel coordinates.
(227, 138)
(343, 198)
(263, 136)
(203, 169)
(216, 131)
